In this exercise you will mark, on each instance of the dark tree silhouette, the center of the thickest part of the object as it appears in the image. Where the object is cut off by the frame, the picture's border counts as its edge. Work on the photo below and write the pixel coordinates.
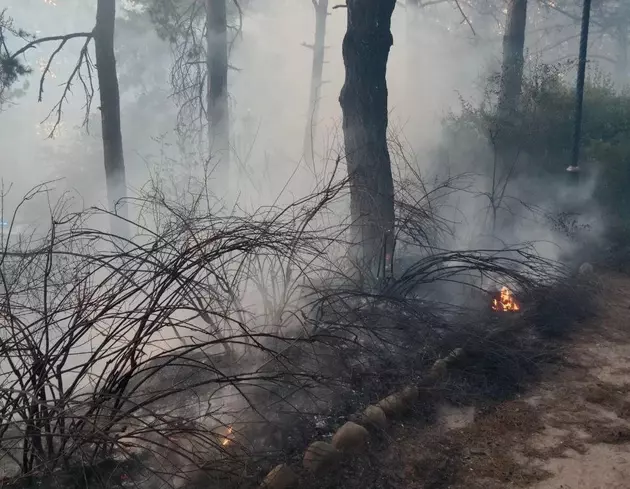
(513, 59)
(110, 109)
(363, 100)
(11, 68)
(319, 48)
(217, 92)
(103, 36)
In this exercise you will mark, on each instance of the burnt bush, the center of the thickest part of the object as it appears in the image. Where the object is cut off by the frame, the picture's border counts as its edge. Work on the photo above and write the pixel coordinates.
(209, 348)
(558, 309)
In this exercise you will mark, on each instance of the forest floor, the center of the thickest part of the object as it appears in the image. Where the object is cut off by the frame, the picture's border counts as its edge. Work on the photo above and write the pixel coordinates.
(571, 430)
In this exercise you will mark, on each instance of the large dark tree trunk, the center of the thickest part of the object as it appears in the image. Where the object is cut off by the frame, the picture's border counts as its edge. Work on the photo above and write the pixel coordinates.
(217, 92)
(321, 14)
(110, 111)
(513, 59)
(363, 100)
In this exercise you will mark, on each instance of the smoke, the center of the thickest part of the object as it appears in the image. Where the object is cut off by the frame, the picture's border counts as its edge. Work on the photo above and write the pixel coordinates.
(436, 62)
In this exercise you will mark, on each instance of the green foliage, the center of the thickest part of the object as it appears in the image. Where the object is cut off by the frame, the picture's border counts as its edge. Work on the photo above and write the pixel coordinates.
(11, 68)
(542, 130)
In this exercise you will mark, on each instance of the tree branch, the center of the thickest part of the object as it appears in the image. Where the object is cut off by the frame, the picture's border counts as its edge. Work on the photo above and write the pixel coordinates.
(466, 19)
(83, 56)
(65, 38)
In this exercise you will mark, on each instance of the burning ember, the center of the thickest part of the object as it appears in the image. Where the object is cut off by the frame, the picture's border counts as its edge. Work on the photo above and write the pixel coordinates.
(226, 440)
(504, 301)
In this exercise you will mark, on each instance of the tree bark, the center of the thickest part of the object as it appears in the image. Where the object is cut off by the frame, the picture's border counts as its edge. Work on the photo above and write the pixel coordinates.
(110, 113)
(363, 100)
(217, 92)
(319, 48)
(513, 59)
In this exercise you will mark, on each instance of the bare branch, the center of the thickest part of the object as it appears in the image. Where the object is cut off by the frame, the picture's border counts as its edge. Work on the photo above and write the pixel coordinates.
(58, 108)
(64, 38)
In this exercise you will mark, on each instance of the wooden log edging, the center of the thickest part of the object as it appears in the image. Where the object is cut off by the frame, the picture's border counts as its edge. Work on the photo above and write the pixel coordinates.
(353, 437)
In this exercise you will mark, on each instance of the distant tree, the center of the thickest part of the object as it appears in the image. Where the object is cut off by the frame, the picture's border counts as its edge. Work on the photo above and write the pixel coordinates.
(103, 36)
(363, 100)
(217, 90)
(11, 68)
(513, 57)
(319, 48)
(198, 33)
(613, 18)
(609, 36)
(110, 107)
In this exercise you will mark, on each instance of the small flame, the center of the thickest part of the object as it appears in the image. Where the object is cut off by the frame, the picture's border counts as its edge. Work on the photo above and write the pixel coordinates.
(226, 440)
(505, 302)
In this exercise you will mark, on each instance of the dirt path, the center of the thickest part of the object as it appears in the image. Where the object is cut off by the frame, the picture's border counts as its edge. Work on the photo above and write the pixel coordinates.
(587, 410)
(572, 431)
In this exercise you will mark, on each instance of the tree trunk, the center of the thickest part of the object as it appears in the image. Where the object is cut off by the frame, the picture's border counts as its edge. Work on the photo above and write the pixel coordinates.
(506, 154)
(412, 15)
(621, 66)
(513, 60)
(321, 14)
(217, 93)
(414, 49)
(110, 113)
(363, 100)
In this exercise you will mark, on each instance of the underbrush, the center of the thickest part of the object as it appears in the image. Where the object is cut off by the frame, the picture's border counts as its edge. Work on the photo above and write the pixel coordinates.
(527, 154)
(505, 353)
(207, 348)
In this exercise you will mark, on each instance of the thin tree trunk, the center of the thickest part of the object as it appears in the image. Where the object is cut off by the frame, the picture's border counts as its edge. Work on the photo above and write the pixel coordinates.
(506, 154)
(412, 15)
(217, 93)
(363, 100)
(319, 48)
(414, 58)
(513, 59)
(621, 66)
(110, 113)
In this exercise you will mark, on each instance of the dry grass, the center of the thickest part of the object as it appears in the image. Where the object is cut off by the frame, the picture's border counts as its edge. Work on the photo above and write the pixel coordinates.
(568, 409)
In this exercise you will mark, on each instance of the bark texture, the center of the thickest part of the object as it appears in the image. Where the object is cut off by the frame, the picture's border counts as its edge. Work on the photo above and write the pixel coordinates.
(363, 100)
(513, 59)
(217, 93)
(319, 48)
(110, 110)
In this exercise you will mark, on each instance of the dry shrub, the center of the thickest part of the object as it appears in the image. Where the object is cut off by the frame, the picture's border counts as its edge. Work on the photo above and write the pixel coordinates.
(147, 351)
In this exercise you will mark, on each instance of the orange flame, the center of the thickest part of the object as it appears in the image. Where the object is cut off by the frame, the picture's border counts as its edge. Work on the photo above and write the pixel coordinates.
(505, 302)
(225, 439)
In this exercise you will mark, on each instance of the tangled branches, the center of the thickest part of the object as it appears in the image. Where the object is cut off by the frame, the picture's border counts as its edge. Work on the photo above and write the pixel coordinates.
(210, 340)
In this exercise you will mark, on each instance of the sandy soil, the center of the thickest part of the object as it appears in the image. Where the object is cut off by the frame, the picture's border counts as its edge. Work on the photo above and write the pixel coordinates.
(590, 412)
(571, 431)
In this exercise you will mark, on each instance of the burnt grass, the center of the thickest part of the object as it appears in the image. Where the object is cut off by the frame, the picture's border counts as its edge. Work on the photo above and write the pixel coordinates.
(359, 354)
(505, 354)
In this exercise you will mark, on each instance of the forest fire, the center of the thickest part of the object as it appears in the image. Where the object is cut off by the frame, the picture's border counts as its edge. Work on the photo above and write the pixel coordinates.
(504, 301)
(226, 441)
